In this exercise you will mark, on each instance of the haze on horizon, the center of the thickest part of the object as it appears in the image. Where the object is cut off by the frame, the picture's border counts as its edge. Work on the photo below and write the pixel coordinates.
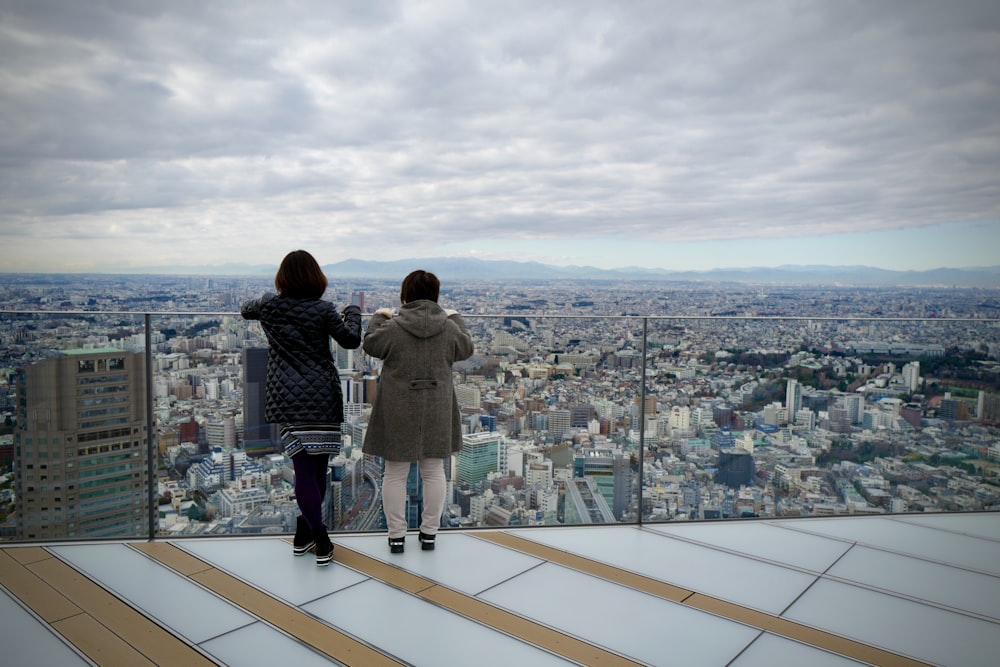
(672, 135)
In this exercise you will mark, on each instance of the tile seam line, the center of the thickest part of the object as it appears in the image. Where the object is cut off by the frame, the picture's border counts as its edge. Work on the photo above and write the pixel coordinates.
(897, 552)
(827, 576)
(536, 548)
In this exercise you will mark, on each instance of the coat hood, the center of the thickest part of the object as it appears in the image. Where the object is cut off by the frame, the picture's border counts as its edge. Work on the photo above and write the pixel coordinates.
(422, 318)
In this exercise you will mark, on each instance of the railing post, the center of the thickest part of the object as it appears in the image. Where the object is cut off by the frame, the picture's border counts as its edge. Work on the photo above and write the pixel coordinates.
(642, 416)
(150, 471)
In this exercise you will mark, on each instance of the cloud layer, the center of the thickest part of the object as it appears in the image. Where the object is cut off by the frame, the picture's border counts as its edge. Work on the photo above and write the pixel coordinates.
(190, 132)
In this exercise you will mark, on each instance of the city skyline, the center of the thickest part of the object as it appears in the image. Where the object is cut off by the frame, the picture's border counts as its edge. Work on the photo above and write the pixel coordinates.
(654, 135)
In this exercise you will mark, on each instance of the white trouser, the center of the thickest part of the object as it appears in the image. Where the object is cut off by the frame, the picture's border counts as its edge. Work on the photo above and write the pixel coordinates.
(394, 495)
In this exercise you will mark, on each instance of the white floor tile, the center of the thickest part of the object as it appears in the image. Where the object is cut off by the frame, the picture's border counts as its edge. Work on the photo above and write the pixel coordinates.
(260, 645)
(25, 641)
(270, 566)
(772, 651)
(188, 609)
(907, 538)
(926, 633)
(421, 633)
(461, 562)
(771, 542)
(629, 622)
(745, 581)
(949, 586)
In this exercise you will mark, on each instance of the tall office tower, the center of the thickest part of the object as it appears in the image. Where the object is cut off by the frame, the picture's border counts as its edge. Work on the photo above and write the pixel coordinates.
(650, 408)
(911, 375)
(953, 409)
(736, 467)
(358, 299)
(558, 424)
(805, 418)
(911, 413)
(722, 415)
(468, 395)
(854, 404)
(259, 437)
(989, 407)
(581, 414)
(481, 454)
(337, 486)
(793, 397)
(82, 447)
(840, 421)
(344, 359)
(680, 417)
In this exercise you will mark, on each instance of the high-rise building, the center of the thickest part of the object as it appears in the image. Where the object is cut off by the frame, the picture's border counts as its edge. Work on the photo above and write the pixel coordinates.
(358, 299)
(481, 454)
(988, 407)
(854, 404)
(911, 376)
(736, 468)
(559, 424)
(911, 412)
(793, 397)
(344, 359)
(259, 437)
(82, 446)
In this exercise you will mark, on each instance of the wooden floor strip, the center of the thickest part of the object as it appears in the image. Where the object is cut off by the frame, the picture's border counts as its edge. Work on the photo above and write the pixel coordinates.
(525, 629)
(339, 646)
(769, 622)
(302, 626)
(102, 627)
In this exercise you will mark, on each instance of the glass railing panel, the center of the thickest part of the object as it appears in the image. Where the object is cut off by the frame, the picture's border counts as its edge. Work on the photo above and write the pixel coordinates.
(806, 417)
(888, 415)
(74, 436)
(552, 413)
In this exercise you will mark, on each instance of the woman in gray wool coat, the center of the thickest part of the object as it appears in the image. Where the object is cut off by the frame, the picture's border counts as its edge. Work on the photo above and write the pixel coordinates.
(415, 416)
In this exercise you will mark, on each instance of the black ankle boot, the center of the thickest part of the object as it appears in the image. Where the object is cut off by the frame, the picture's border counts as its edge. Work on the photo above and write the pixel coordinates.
(324, 547)
(303, 541)
(397, 544)
(426, 541)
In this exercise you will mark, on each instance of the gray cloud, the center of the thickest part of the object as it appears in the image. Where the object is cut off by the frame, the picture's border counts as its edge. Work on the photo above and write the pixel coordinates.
(411, 123)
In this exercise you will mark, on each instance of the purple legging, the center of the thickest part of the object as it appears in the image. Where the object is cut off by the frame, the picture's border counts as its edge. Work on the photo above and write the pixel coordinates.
(310, 486)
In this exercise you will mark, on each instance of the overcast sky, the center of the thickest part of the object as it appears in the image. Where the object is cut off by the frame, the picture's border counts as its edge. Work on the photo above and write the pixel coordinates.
(687, 135)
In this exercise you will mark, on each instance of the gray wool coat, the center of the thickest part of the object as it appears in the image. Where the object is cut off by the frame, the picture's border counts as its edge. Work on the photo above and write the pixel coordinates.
(415, 414)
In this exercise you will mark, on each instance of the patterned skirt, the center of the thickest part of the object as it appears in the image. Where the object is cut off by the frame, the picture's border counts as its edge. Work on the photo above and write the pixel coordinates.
(312, 438)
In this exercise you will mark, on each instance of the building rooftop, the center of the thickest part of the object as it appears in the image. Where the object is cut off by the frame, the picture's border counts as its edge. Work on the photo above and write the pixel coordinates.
(911, 589)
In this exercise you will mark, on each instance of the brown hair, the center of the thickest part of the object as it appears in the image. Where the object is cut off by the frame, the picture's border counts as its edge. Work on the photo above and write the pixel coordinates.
(420, 285)
(300, 277)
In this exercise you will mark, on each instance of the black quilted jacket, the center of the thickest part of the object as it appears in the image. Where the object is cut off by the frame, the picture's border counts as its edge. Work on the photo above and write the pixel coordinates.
(302, 380)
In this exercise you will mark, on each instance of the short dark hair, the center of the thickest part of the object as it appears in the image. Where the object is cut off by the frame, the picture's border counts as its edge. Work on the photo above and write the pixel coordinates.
(300, 277)
(420, 285)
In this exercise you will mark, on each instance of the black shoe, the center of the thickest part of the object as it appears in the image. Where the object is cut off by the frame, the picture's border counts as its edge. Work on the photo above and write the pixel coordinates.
(324, 548)
(303, 542)
(426, 541)
(396, 545)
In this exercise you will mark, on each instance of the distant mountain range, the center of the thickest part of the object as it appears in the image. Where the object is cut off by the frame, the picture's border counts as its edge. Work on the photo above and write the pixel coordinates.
(452, 268)
(475, 269)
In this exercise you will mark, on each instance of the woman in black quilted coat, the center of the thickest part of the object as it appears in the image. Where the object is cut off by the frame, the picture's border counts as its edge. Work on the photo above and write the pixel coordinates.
(303, 387)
